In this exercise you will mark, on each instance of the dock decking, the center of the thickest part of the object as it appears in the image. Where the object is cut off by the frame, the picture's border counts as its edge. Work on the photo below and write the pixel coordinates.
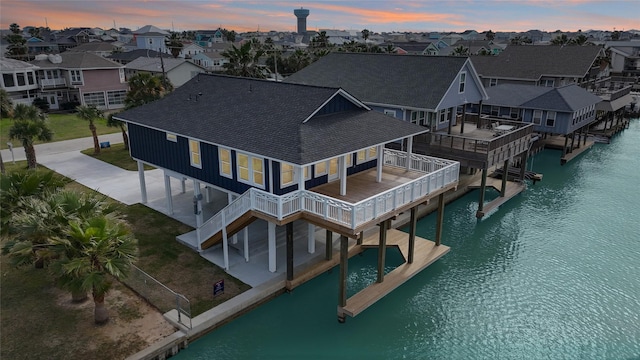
(513, 189)
(426, 252)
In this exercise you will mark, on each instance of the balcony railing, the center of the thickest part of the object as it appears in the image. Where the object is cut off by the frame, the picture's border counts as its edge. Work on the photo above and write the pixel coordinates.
(438, 174)
(52, 83)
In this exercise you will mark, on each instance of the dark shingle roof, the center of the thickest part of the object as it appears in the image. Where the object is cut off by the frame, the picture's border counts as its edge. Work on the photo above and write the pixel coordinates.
(568, 98)
(267, 118)
(405, 80)
(532, 62)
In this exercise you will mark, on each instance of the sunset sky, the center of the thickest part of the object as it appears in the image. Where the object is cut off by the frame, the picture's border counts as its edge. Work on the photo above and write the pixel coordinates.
(375, 15)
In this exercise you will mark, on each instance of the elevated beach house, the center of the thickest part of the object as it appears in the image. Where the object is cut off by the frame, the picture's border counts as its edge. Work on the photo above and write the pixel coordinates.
(435, 92)
(283, 153)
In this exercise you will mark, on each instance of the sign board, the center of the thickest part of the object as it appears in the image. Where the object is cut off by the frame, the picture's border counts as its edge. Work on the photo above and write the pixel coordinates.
(218, 287)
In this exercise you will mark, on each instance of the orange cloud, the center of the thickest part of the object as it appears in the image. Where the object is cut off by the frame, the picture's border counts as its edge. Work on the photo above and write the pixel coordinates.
(390, 16)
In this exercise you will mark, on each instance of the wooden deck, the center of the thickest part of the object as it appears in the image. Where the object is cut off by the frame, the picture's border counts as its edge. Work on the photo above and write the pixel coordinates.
(557, 142)
(426, 252)
(363, 185)
(513, 189)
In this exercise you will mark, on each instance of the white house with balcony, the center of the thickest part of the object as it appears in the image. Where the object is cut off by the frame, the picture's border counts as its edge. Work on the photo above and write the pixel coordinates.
(19, 80)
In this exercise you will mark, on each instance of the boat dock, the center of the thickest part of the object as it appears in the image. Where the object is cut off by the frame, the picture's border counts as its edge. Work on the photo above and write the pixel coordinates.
(426, 252)
(570, 152)
(512, 188)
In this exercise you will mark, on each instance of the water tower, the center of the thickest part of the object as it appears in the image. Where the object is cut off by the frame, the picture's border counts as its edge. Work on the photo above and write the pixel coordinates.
(301, 14)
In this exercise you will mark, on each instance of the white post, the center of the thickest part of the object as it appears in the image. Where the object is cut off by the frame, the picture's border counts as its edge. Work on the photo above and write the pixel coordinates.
(167, 193)
(380, 156)
(198, 197)
(207, 194)
(234, 238)
(246, 244)
(311, 233)
(143, 184)
(409, 151)
(301, 178)
(272, 247)
(342, 164)
(225, 244)
(184, 186)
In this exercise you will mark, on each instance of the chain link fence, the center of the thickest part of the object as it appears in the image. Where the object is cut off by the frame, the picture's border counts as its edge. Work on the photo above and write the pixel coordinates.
(160, 295)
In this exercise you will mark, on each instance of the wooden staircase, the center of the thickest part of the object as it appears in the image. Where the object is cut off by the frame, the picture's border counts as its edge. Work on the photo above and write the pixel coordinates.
(233, 228)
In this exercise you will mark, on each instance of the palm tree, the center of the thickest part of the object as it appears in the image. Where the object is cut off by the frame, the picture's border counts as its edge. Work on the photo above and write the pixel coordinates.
(113, 122)
(6, 109)
(91, 114)
(560, 40)
(365, 34)
(298, 60)
(143, 89)
(104, 250)
(174, 44)
(460, 51)
(29, 125)
(244, 61)
(390, 49)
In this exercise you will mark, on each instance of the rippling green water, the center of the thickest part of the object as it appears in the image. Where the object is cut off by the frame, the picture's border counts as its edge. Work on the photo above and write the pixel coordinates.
(552, 274)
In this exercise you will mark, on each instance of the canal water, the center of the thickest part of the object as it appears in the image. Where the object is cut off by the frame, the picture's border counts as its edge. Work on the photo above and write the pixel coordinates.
(552, 274)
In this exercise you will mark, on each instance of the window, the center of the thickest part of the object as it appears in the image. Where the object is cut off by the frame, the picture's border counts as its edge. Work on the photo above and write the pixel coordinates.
(443, 115)
(95, 98)
(495, 110)
(366, 155)
(286, 174)
(194, 151)
(121, 73)
(8, 80)
(21, 79)
(225, 162)
(551, 118)
(31, 78)
(418, 117)
(333, 167)
(250, 169)
(116, 97)
(463, 79)
(76, 77)
(389, 112)
(172, 137)
(321, 169)
(537, 116)
(514, 113)
(547, 83)
(493, 82)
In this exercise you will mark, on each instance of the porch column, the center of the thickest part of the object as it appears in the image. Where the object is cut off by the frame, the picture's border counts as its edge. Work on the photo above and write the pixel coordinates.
(380, 156)
(184, 186)
(311, 238)
(479, 114)
(440, 219)
(523, 164)
(573, 139)
(584, 138)
(301, 178)
(342, 165)
(412, 234)
(505, 176)
(225, 244)
(167, 194)
(207, 194)
(143, 184)
(483, 187)
(344, 261)
(246, 244)
(579, 137)
(289, 227)
(464, 117)
(328, 252)
(409, 151)
(382, 250)
(272, 246)
(230, 198)
(450, 123)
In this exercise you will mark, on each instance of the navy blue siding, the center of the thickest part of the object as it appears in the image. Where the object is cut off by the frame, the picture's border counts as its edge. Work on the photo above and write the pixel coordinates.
(152, 146)
(337, 104)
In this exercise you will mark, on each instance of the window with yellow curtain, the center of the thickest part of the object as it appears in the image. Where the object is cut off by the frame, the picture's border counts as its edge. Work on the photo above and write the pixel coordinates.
(243, 167)
(258, 173)
(321, 168)
(225, 162)
(194, 149)
(286, 174)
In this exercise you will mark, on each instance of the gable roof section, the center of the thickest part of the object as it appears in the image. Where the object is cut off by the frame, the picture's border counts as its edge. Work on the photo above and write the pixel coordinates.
(134, 54)
(404, 80)
(150, 30)
(268, 119)
(78, 60)
(531, 62)
(568, 98)
(155, 65)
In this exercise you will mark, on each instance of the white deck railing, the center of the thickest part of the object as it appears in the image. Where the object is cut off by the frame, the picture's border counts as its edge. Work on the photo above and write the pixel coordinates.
(45, 83)
(439, 173)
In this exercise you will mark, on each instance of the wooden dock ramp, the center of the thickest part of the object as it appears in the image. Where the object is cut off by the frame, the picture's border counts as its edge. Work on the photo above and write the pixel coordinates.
(426, 252)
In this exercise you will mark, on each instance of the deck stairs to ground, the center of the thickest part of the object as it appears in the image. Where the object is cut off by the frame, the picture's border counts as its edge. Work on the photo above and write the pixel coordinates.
(234, 227)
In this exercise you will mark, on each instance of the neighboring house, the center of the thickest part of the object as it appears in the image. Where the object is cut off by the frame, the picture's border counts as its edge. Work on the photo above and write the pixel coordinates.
(286, 153)
(178, 71)
(206, 38)
(476, 47)
(19, 80)
(70, 38)
(410, 48)
(38, 46)
(100, 48)
(84, 78)
(128, 56)
(152, 38)
(212, 61)
(557, 111)
(188, 51)
(424, 90)
(625, 57)
(542, 65)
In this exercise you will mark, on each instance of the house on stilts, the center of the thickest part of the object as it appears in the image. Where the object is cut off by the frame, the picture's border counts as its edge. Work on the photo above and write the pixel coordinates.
(289, 153)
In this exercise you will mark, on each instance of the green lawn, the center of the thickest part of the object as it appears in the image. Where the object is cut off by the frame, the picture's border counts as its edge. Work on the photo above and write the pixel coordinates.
(64, 126)
(116, 155)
